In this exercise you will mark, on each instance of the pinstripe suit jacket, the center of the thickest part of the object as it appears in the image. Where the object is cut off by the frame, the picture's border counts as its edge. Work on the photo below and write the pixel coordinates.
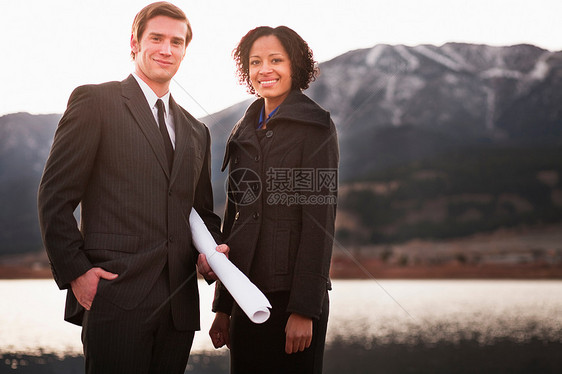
(108, 156)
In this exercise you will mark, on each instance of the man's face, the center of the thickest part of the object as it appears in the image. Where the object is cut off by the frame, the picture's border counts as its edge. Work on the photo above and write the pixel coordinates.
(160, 50)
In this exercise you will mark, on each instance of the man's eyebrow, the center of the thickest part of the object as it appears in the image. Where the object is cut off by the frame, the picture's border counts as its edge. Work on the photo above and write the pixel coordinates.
(160, 35)
(179, 38)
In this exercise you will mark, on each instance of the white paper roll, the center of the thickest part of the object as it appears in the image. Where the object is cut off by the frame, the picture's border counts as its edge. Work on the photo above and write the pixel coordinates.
(252, 301)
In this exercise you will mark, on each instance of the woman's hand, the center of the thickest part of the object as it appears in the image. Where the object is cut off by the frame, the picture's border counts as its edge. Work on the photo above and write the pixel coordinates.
(298, 333)
(219, 331)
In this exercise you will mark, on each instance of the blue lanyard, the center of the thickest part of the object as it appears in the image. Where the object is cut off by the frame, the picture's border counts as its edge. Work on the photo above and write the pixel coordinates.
(261, 122)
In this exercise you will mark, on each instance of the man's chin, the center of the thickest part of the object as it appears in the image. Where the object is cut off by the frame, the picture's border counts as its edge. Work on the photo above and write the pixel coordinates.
(162, 77)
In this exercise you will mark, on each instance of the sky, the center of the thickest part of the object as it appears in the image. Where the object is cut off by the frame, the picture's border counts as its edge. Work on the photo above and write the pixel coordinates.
(52, 46)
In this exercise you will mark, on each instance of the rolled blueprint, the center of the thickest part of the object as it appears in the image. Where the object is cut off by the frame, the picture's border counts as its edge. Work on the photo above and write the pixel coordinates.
(252, 301)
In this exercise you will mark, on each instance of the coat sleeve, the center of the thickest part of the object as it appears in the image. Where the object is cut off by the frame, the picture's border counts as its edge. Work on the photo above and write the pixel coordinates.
(63, 183)
(312, 265)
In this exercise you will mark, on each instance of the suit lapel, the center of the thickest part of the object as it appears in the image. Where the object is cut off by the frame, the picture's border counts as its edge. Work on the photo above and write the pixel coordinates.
(136, 101)
(184, 137)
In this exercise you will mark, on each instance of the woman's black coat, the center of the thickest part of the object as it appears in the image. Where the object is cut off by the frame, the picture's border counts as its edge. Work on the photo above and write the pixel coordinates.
(281, 206)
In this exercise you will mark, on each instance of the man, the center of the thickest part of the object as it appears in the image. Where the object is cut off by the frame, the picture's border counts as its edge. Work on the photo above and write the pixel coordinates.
(137, 163)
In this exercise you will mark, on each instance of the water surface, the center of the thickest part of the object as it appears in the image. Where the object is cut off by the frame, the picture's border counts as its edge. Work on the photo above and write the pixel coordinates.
(367, 312)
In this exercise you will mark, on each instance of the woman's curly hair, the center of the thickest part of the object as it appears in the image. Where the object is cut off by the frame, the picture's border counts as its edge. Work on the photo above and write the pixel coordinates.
(303, 67)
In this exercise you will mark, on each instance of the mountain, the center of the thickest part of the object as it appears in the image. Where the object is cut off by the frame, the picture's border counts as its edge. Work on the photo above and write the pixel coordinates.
(434, 141)
(25, 140)
(425, 99)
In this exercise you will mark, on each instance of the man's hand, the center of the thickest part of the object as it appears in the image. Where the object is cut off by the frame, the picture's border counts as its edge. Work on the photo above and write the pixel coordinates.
(85, 286)
(204, 267)
(298, 333)
(219, 331)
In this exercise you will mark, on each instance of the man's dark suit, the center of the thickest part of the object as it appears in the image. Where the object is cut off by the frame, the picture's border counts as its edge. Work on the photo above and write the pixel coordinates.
(109, 156)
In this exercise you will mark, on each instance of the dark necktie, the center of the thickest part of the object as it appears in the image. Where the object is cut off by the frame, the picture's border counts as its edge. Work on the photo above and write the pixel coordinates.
(165, 134)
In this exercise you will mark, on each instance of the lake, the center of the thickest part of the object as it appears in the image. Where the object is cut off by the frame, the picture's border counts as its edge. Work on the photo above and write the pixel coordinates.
(386, 326)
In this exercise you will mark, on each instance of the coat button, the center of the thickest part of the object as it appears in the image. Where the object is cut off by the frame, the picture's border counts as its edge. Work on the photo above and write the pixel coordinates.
(237, 216)
(236, 160)
(255, 186)
(269, 133)
(257, 158)
(256, 215)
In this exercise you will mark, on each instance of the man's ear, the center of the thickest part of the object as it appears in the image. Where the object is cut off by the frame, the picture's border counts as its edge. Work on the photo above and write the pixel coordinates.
(134, 44)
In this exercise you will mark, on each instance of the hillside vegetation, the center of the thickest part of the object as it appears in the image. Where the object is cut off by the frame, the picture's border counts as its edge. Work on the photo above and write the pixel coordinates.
(455, 194)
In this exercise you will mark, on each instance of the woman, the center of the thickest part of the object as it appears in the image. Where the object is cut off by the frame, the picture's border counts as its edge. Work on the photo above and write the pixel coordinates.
(280, 212)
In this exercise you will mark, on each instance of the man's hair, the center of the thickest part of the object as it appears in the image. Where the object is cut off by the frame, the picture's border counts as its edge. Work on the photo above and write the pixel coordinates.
(303, 67)
(161, 8)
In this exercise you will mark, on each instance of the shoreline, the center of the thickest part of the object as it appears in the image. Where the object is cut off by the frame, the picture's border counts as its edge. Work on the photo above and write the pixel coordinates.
(345, 268)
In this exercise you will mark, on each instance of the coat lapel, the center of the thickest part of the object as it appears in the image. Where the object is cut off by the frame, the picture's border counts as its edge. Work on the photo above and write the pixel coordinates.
(244, 134)
(183, 137)
(136, 101)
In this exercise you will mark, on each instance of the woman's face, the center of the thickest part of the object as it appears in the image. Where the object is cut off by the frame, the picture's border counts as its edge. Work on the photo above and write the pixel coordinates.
(270, 69)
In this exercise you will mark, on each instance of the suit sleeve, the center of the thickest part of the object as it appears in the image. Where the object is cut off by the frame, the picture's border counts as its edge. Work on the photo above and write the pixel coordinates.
(203, 201)
(63, 183)
(312, 266)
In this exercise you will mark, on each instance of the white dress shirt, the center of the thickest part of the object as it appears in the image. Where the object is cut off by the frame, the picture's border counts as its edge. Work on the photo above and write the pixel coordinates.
(152, 99)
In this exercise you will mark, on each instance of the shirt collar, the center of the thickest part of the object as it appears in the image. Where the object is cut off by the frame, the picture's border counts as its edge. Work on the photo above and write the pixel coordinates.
(261, 121)
(151, 97)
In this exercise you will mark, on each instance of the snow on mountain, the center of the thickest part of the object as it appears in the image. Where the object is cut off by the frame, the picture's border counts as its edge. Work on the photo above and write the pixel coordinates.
(440, 58)
(453, 85)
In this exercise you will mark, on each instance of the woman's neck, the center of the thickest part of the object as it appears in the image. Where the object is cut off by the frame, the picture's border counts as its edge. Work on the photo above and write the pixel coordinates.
(272, 103)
